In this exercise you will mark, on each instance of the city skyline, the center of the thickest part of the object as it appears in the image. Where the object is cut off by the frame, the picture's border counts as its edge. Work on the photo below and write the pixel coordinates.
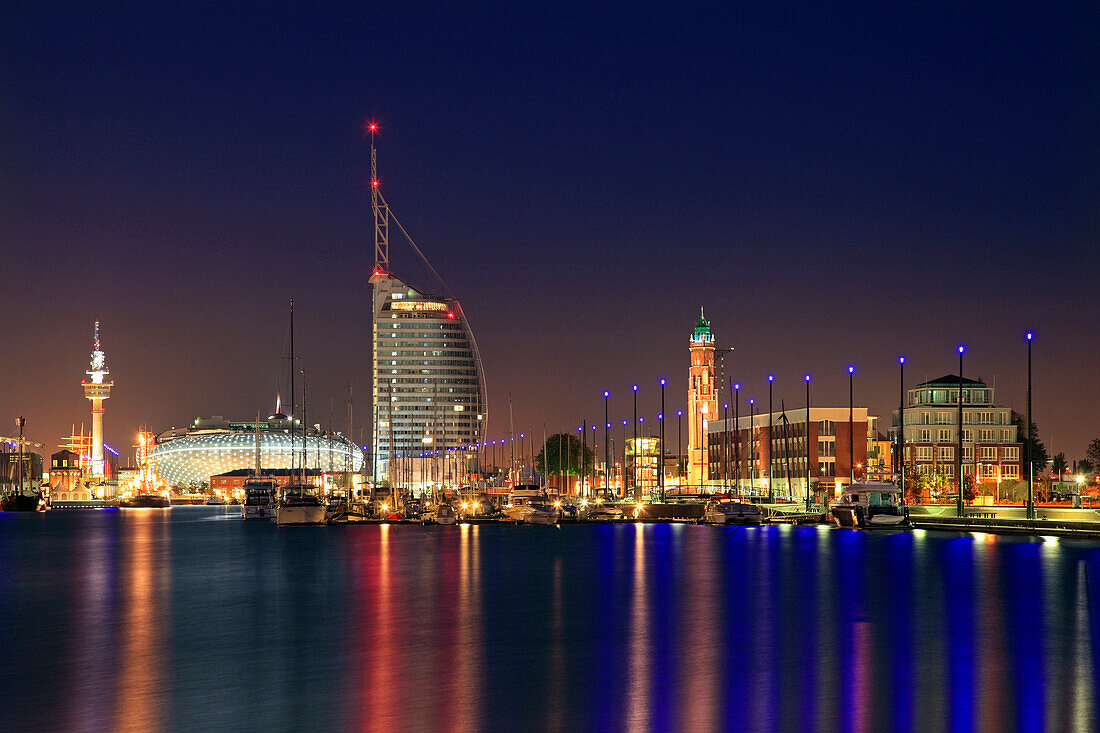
(832, 188)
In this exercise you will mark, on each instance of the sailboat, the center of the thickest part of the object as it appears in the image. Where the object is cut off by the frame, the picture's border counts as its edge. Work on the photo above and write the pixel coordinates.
(259, 492)
(23, 497)
(299, 503)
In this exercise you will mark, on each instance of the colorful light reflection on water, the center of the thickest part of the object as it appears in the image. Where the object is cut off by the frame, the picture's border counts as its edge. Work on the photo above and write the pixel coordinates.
(190, 619)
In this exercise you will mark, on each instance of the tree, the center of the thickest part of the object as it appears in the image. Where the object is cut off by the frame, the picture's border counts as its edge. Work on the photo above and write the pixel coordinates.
(1092, 454)
(1085, 467)
(1038, 450)
(562, 454)
(1058, 465)
(914, 487)
(969, 490)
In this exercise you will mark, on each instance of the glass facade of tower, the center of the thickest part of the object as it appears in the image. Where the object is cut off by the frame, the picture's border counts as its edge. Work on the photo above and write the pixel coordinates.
(428, 385)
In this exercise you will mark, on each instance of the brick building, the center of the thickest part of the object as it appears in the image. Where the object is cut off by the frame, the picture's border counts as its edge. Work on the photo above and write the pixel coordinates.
(762, 450)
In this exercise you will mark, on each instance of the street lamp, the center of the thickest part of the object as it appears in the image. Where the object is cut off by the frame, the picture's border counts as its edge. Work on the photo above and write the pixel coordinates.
(584, 453)
(901, 425)
(679, 444)
(634, 468)
(807, 438)
(624, 458)
(959, 442)
(723, 463)
(851, 432)
(1027, 439)
(661, 451)
(752, 445)
(595, 455)
(771, 420)
(737, 430)
(606, 444)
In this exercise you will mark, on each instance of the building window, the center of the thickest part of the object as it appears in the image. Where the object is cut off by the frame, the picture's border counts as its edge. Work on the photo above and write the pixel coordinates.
(1011, 453)
(945, 436)
(826, 427)
(968, 436)
(924, 453)
(826, 448)
(987, 453)
(925, 436)
(1010, 471)
(947, 453)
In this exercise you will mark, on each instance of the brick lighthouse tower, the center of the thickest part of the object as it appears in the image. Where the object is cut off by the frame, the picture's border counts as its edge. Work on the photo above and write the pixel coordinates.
(702, 399)
(97, 390)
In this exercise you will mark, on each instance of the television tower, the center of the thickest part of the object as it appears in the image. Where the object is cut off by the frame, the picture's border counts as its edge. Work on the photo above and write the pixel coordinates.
(97, 390)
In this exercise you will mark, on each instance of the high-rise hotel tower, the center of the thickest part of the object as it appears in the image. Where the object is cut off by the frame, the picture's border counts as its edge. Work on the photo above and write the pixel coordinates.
(428, 386)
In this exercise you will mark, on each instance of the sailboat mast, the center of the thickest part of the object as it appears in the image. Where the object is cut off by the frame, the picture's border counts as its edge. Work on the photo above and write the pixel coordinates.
(351, 435)
(293, 394)
(258, 468)
(302, 474)
(21, 421)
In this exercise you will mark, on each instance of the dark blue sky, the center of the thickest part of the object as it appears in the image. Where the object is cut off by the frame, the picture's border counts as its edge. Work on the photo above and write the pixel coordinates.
(833, 185)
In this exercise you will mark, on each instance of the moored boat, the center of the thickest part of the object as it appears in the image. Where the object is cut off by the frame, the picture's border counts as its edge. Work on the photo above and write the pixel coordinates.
(732, 512)
(445, 514)
(542, 512)
(300, 505)
(145, 501)
(23, 496)
(870, 506)
(259, 499)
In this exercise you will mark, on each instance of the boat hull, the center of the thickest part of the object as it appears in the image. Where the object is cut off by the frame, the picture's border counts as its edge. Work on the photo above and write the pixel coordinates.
(854, 517)
(539, 516)
(300, 515)
(145, 501)
(256, 511)
(21, 503)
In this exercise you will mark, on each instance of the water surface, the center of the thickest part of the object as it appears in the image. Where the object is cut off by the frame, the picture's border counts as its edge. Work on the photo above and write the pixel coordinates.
(189, 619)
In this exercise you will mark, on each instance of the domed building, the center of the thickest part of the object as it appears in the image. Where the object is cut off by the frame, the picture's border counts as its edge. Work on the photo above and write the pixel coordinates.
(210, 446)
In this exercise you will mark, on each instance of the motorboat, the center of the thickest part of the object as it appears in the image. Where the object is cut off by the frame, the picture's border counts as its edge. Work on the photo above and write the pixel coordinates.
(732, 512)
(145, 501)
(214, 500)
(445, 515)
(259, 499)
(542, 512)
(300, 505)
(522, 500)
(870, 506)
(601, 512)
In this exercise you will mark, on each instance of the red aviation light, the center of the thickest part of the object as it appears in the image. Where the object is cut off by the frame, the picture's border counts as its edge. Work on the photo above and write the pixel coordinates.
(372, 126)
(374, 183)
(378, 272)
(451, 315)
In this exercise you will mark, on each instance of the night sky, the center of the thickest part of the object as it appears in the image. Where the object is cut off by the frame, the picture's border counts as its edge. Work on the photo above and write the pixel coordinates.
(833, 185)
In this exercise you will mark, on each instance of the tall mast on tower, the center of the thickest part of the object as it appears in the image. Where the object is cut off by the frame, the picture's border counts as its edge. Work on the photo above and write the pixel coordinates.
(381, 212)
